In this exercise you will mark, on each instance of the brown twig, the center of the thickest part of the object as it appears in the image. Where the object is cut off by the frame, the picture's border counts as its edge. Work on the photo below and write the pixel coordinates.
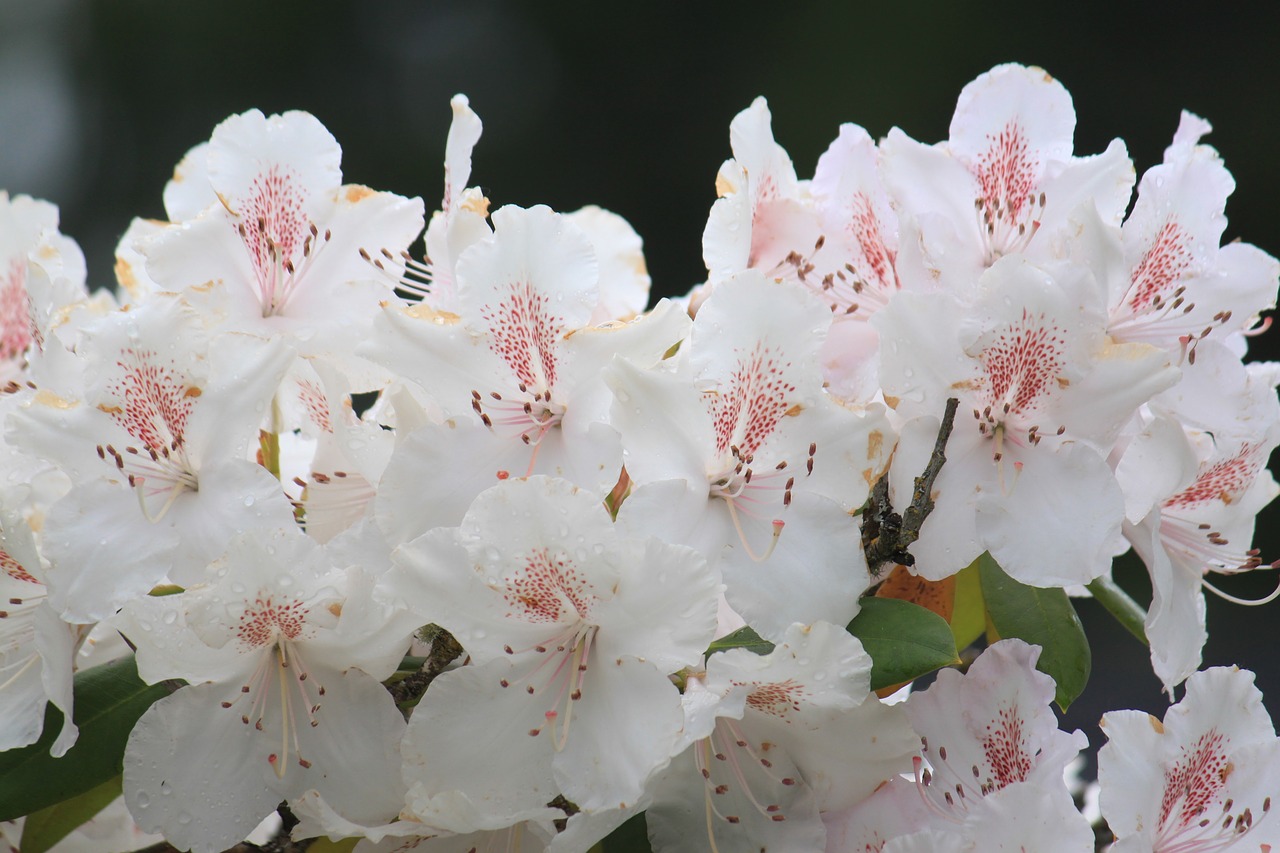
(886, 534)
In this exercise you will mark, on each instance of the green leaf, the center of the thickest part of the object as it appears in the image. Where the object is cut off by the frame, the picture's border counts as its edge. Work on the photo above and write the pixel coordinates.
(969, 616)
(631, 837)
(48, 826)
(905, 640)
(109, 699)
(1043, 617)
(743, 638)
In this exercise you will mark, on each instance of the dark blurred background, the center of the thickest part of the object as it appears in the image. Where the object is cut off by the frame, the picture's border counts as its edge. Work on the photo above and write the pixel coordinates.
(628, 106)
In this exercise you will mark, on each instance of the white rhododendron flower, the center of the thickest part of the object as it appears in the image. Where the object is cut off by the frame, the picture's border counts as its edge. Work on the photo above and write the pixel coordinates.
(776, 739)
(283, 649)
(739, 453)
(279, 253)
(572, 630)
(1006, 181)
(1200, 780)
(156, 444)
(1043, 393)
(473, 550)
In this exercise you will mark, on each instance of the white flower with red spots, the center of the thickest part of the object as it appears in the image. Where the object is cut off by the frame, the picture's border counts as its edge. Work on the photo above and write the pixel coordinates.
(1004, 183)
(283, 649)
(775, 739)
(1195, 480)
(42, 274)
(1200, 780)
(522, 357)
(836, 236)
(1170, 284)
(988, 730)
(37, 649)
(280, 252)
(155, 439)
(572, 631)
(739, 453)
(1043, 393)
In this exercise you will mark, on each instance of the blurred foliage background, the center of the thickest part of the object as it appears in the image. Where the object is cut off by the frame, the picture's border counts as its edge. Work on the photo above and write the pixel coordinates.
(628, 106)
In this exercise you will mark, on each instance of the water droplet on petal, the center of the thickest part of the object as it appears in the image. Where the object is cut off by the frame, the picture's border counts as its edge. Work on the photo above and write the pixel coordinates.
(170, 616)
(248, 500)
(166, 788)
(143, 800)
(623, 396)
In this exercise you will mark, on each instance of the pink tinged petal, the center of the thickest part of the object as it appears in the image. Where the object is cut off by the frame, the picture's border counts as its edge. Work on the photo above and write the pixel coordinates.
(534, 280)
(1028, 817)
(767, 164)
(1205, 768)
(1009, 124)
(717, 795)
(1006, 734)
(848, 188)
(894, 811)
(506, 772)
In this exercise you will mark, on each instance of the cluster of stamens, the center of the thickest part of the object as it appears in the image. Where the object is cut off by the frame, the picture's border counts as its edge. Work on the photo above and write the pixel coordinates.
(533, 417)
(728, 751)
(150, 472)
(1008, 225)
(571, 652)
(734, 486)
(291, 674)
(282, 277)
(411, 277)
(1187, 833)
(327, 497)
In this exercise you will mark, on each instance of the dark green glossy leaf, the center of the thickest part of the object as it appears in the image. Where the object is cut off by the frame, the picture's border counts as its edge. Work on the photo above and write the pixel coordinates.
(631, 837)
(743, 638)
(109, 699)
(1043, 617)
(905, 640)
(48, 826)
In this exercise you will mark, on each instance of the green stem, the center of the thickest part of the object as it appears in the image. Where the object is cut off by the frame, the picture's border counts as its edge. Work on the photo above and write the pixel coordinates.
(1118, 603)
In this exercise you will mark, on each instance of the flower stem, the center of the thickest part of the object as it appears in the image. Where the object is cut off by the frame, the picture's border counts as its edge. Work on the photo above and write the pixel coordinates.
(1118, 603)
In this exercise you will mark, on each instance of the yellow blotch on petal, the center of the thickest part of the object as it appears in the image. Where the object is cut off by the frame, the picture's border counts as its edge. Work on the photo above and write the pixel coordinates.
(875, 444)
(193, 391)
(356, 192)
(335, 608)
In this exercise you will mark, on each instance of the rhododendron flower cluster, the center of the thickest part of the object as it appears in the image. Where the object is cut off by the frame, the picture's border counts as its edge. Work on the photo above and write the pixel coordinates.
(460, 544)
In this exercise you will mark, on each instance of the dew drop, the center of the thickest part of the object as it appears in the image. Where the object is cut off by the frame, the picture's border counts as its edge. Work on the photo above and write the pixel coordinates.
(166, 788)
(184, 818)
(623, 396)
(248, 500)
(238, 588)
(170, 616)
(820, 675)
(143, 800)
